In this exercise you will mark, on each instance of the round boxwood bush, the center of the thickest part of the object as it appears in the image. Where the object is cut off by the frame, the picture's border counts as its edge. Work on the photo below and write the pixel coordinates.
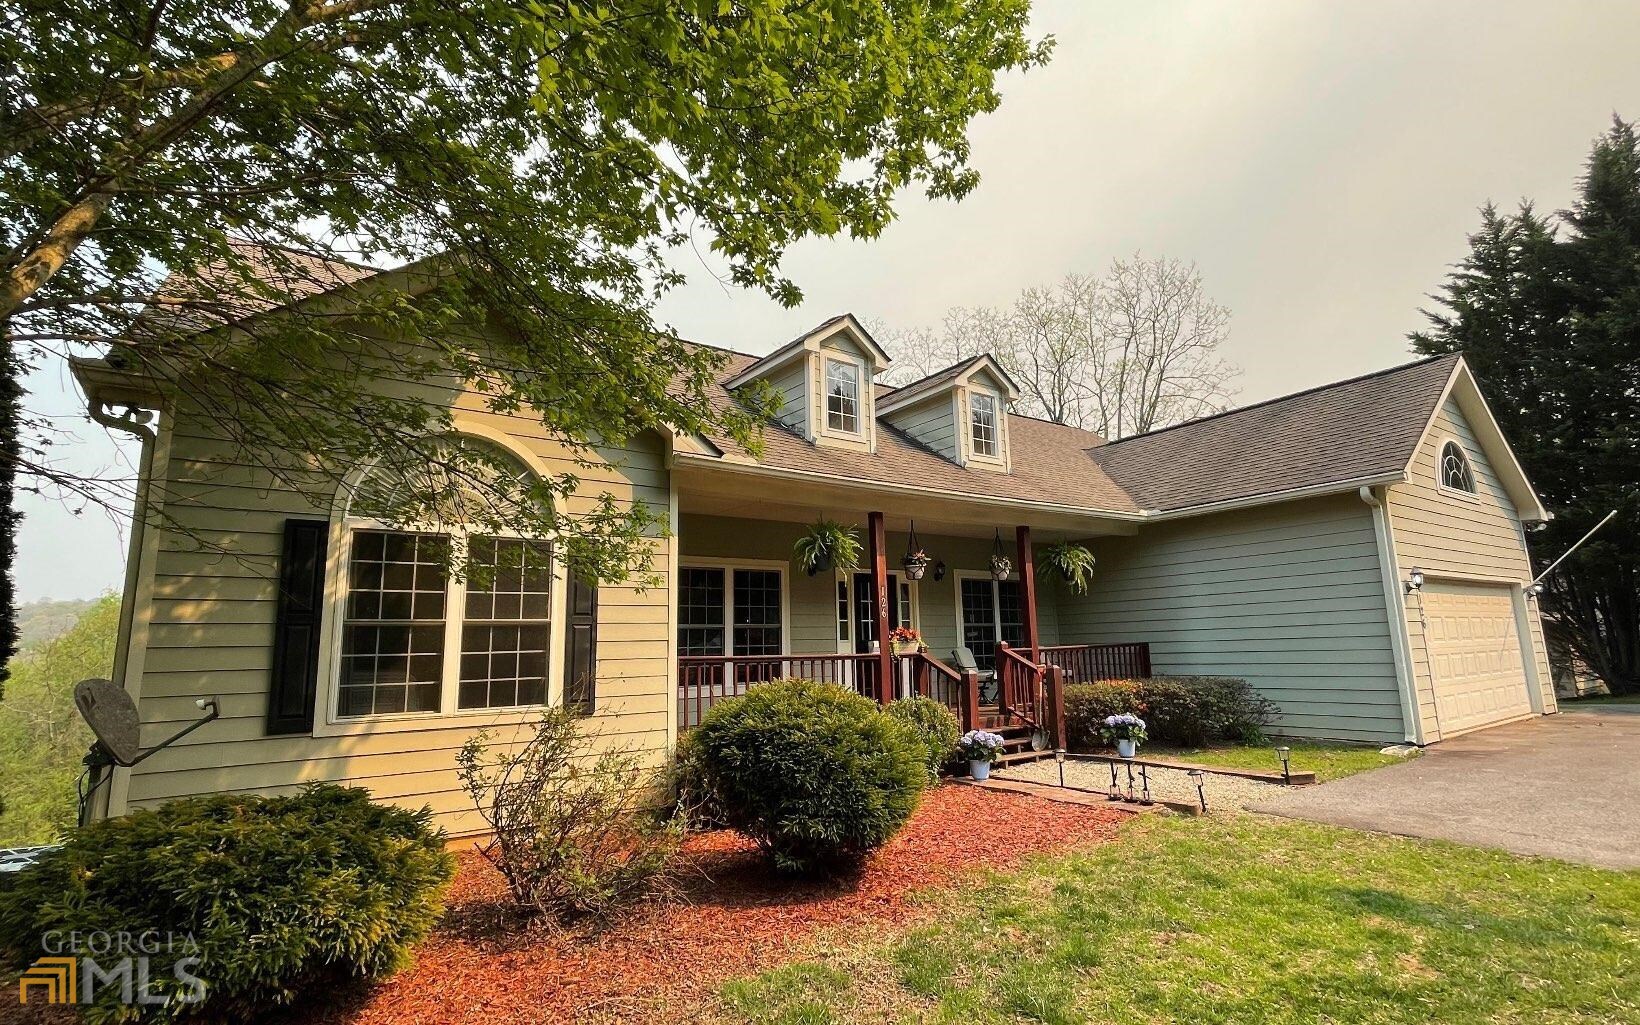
(279, 895)
(816, 775)
(934, 725)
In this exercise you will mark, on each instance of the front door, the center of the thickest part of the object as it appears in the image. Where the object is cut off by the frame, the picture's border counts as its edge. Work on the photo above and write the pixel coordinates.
(865, 622)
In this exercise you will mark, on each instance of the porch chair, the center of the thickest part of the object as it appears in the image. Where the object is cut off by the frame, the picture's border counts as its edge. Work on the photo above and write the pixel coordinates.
(962, 657)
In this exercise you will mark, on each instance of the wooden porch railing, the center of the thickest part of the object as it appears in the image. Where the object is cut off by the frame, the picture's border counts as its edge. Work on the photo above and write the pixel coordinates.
(1031, 694)
(704, 680)
(955, 689)
(1084, 663)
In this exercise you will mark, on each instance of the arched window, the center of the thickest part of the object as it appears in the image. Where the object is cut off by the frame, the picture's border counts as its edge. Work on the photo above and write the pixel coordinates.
(1455, 471)
(446, 609)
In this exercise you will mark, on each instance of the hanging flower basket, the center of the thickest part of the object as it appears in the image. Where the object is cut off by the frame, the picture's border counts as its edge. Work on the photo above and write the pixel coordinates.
(1001, 565)
(916, 564)
(826, 545)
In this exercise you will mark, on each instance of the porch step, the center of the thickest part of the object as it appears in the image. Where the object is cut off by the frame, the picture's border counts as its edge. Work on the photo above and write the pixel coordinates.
(1019, 756)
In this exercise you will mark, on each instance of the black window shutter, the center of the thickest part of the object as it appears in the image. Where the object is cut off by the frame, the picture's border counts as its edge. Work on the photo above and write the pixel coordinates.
(295, 681)
(581, 648)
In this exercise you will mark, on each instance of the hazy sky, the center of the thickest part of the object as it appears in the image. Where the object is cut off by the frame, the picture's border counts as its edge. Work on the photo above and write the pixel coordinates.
(1321, 162)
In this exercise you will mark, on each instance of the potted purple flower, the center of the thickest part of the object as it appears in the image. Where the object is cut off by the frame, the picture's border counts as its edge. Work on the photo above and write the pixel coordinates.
(1126, 731)
(981, 749)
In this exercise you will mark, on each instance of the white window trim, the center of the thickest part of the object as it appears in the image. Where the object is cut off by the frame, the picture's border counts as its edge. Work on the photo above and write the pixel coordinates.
(327, 720)
(1440, 470)
(861, 382)
(996, 599)
(728, 566)
(338, 552)
(996, 426)
(845, 578)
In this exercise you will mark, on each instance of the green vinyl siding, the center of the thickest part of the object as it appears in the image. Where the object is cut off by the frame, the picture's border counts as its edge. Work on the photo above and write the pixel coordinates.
(1288, 597)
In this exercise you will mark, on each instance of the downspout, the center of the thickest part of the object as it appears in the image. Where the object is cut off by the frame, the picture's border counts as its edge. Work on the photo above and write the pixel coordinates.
(1396, 613)
(135, 423)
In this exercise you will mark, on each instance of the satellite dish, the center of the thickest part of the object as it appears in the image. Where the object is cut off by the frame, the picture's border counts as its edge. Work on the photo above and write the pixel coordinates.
(112, 716)
(1039, 740)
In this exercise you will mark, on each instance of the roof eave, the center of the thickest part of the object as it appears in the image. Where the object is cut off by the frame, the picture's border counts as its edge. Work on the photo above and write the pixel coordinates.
(1462, 386)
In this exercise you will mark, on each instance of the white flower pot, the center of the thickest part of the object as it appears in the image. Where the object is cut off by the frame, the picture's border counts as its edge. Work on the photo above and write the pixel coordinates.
(1127, 747)
(979, 769)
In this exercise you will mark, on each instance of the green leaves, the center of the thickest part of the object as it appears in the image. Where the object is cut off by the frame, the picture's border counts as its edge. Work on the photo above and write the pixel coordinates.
(551, 152)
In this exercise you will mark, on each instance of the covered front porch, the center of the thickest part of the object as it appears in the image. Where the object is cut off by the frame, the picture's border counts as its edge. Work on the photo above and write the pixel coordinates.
(746, 614)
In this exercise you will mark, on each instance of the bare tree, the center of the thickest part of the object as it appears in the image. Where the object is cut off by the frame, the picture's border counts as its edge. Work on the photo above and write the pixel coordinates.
(1121, 354)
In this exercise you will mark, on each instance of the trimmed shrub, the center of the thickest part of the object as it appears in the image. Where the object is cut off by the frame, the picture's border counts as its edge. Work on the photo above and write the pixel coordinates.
(817, 776)
(280, 895)
(576, 831)
(936, 728)
(1186, 711)
(1087, 705)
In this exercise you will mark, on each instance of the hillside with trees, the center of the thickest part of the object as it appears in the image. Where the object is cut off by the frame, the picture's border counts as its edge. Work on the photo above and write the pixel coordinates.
(42, 737)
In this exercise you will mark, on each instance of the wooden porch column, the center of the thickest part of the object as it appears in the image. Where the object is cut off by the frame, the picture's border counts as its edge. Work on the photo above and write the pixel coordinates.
(879, 611)
(1027, 592)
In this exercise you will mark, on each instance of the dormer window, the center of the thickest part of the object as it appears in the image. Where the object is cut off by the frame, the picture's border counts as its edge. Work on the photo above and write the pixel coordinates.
(983, 424)
(842, 396)
(1455, 471)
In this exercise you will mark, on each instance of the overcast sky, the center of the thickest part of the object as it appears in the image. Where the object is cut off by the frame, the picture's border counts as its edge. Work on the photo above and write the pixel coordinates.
(1321, 163)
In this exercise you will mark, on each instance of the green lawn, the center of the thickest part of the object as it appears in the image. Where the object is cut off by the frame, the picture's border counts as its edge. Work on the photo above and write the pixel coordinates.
(1327, 761)
(1241, 920)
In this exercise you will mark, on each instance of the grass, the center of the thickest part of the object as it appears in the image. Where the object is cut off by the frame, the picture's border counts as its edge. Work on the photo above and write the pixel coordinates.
(1237, 920)
(1327, 761)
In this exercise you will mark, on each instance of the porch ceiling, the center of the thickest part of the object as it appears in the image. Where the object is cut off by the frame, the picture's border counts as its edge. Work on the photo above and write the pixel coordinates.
(751, 495)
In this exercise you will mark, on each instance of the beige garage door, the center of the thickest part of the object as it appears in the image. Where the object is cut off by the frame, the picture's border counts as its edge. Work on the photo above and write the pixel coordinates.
(1474, 650)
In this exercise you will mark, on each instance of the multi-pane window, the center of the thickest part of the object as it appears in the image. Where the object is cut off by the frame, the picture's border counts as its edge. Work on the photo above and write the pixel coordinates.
(983, 414)
(979, 620)
(506, 631)
(393, 633)
(842, 610)
(757, 612)
(410, 625)
(842, 396)
(729, 612)
(700, 611)
(1455, 471)
(992, 611)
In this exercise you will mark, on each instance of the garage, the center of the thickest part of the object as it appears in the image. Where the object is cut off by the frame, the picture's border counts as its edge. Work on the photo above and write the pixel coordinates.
(1475, 655)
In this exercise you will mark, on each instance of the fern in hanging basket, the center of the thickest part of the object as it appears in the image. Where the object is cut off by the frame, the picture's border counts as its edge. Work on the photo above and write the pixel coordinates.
(1068, 561)
(826, 545)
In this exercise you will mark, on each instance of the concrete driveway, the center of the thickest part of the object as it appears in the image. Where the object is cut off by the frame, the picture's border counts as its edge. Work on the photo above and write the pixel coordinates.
(1563, 786)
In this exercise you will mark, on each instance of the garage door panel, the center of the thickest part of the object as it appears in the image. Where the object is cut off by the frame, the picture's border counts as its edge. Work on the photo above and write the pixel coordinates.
(1475, 656)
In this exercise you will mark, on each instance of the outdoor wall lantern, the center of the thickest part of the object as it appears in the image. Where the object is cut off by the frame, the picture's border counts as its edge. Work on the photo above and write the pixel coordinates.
(939, 570)
(1415, 582)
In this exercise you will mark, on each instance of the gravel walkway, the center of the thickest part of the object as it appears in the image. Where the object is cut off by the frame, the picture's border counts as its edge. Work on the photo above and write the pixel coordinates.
(1223, 792)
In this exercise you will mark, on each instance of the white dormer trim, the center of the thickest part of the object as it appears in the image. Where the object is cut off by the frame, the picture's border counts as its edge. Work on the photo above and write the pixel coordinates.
(999, 416)
(810, 342)
(953, 377)
(862, 426)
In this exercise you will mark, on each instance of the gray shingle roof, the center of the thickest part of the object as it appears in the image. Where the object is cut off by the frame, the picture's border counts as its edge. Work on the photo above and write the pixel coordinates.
(1361, 428)
(1366, 427)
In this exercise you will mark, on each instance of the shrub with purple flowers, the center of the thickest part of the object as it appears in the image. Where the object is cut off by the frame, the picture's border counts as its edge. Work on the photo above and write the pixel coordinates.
(1126, 726)
(980, 746)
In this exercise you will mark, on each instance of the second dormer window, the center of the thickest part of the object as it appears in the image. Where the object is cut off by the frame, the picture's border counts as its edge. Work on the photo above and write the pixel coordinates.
(842, 396)
(983, 410)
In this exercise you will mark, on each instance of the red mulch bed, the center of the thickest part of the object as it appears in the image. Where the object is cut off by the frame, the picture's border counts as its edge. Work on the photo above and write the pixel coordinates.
(738, 918)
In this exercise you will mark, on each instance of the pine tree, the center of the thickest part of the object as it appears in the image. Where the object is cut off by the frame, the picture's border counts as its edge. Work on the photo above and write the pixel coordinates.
(1547, 312)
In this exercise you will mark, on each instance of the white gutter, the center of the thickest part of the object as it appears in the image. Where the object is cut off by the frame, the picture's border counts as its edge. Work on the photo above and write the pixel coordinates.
(1271, 497)
(1395, 611)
